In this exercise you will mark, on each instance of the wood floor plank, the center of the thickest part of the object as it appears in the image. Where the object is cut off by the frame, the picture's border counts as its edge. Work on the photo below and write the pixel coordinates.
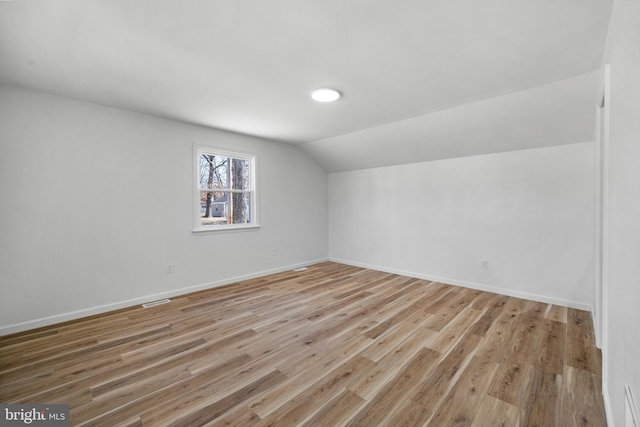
(240, 415)
(543, 395)
(409, 414)
(132, 401)
(310, 371)
(550, 357)
(580, 352)
(205, 388)
(395, 391)
(461, 404)
(213, 410)
(460, 298)
(54, 385)
(581, 403)
(332, 345)
(336, 411)
(397, 317)
(511, 377)
(456, 329)
(126, 392)
(496, 412)
(135, 376)
(390, 364)
(494, 307)
(439, 382)
(307, 403)
(557, 313)
(387, 342)
(326, 355)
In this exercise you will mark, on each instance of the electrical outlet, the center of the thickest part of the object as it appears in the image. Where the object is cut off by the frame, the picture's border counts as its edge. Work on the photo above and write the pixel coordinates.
(169, 268)
(485, 265)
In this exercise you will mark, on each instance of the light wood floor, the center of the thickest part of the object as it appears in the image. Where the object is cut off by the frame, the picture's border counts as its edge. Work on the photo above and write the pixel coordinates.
(333, 345)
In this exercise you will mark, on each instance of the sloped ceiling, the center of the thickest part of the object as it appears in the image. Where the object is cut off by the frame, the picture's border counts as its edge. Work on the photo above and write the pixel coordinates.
(421, 79)
(555, 114)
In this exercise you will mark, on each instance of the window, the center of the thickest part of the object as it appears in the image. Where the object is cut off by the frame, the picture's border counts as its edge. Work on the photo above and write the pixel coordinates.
(225, 190)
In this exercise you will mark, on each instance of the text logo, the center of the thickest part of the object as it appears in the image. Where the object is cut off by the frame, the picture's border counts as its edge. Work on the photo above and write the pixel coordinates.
(34, 415)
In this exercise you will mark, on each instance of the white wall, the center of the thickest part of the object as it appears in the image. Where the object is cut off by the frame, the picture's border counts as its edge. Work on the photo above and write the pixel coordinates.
(95, 201)
(529, 213)
(623, 321)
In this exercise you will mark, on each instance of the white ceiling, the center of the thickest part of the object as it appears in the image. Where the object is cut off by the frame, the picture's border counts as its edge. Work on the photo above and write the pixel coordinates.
(249, 66)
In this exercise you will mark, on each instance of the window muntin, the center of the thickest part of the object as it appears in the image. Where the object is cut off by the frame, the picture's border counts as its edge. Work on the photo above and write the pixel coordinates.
(225, 196)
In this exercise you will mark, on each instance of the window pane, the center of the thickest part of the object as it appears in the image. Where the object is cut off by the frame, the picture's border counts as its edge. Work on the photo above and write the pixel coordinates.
(223, 207)
(213, 171)
(214, 208)
(240, 208)
(240, 174)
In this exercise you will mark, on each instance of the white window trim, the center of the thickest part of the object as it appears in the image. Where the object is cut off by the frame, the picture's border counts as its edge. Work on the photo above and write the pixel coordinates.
(252, 158)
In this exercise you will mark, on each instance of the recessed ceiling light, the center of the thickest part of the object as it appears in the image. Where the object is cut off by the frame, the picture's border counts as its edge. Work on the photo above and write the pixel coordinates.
(325, 95)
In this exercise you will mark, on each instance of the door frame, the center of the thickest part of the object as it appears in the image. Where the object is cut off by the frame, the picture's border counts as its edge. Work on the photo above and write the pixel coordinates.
(601, 234)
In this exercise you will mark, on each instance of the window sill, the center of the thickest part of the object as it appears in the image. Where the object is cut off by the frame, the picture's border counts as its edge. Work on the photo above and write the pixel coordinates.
(226, 228)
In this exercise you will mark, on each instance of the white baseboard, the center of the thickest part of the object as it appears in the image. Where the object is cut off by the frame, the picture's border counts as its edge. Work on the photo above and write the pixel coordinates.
(596, 329)
(63, 317)
(472, 285)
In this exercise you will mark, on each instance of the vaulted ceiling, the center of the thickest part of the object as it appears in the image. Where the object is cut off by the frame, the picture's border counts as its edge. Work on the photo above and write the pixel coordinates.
(422, 79)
